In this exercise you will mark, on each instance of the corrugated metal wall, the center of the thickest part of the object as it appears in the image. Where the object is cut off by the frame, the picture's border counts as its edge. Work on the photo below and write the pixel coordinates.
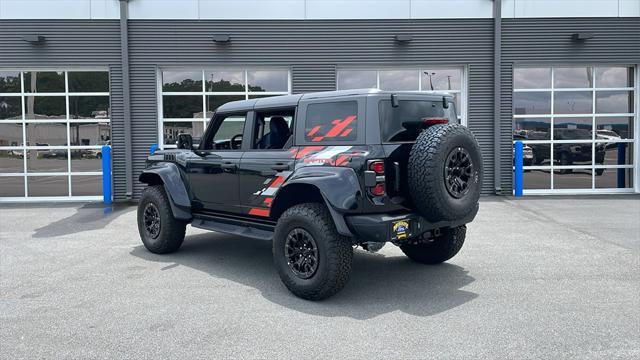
(313, 50)
(548, 41)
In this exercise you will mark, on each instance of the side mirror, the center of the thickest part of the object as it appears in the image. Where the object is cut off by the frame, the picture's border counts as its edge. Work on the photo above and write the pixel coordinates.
(185, 141)
(395, 102)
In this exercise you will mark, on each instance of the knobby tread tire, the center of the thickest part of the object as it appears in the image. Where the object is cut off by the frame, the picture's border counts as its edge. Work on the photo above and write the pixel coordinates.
(335, 253)
(425, 171)
(441, 249)
(172, 230)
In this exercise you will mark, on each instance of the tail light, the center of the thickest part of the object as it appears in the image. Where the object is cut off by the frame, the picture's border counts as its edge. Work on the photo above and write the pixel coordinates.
(375, 179)
(377, 167)
(377, 190)
(434, 121)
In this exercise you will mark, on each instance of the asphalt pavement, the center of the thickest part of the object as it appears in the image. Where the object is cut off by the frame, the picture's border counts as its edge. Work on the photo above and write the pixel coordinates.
(540, 277)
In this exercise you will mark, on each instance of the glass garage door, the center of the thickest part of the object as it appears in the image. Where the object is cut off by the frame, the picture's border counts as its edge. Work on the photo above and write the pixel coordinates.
(52, 126)
(189, 96)
(578, 125)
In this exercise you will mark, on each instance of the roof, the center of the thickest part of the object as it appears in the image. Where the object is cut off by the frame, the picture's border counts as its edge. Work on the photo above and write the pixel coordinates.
(292, 100)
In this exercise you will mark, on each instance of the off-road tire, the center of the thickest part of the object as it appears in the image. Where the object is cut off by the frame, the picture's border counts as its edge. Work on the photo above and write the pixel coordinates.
(172, 230)
(441, 249)
(335, 253)
(426, 167)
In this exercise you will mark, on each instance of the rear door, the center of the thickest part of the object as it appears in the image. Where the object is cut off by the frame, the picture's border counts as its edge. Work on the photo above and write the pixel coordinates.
(268, 161)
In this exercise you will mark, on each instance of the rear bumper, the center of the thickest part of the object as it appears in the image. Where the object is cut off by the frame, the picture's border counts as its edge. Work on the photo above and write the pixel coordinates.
(378, 227)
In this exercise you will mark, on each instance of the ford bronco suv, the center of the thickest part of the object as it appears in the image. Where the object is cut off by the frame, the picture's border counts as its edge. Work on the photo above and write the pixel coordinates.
(318, 174)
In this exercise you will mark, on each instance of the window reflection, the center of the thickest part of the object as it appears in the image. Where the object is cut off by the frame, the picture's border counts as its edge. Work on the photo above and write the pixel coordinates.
(573, 102)
(44, 81)
(572, 179)
(527, 103)
(47, 160)
(171, 130)
(565, 126)
(93, 133)
(86, 160)
(441, 79)
(532, 78)
(573, 77)
(268, 80)
(12, 186)
(536, 179)
(88, 81)
(568, 154)
(87, 185)
(46, 134)
(610, 77)
(399, 80)
(608, 102)
(615, 179)
(10, 108)
(225, 80)
(532, 128)
(357, 79)
(89, 107)
(185, 107)
(617, 153)
(614, 127)
(9, 82)
(48, 185)
(11, 161)
(181, 81)
(10, 134)
(45, 107)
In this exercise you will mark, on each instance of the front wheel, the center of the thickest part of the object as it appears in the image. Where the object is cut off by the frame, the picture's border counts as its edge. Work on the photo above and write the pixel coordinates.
(160, 232)
(312, 258)
(440, 249)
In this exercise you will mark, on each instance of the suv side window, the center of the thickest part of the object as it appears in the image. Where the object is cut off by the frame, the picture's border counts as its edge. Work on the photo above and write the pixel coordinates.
(333, 121)
(273, 129)
(226, 132)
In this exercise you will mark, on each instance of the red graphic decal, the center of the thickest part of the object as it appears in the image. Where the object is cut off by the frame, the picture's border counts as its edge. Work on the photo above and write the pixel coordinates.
(340, 125)
(313, 131)
(317, 138)
(346, 132)
(277, 181)
(259, 212)
(307, 150)
(342, 160)
(268, 201)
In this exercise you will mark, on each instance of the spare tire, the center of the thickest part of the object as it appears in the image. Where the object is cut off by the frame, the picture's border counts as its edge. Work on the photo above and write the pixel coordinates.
(444, 172)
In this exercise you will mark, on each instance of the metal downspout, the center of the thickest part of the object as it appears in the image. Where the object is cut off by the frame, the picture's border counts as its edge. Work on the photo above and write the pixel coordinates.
(497, 87)
(124, 58)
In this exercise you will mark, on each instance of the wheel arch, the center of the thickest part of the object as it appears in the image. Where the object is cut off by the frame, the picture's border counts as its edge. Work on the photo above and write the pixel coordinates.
(168, 175)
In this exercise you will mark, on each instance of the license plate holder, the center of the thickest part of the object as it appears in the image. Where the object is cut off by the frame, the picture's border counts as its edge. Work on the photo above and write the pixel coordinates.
(400, 229)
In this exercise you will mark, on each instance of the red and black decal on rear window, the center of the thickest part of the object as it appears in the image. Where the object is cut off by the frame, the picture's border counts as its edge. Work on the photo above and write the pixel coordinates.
(334, 121)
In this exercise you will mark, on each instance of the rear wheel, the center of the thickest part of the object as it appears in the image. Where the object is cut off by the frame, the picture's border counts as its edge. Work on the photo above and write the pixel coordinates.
(440, 249)
(160, 232)
(312, 258)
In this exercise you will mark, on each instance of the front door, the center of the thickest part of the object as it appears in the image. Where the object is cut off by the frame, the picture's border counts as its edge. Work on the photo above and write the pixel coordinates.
(213, 174)
(268, 161)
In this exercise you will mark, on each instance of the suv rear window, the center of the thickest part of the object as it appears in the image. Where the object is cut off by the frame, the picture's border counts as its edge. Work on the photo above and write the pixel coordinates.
(332, 121)
(403, 123)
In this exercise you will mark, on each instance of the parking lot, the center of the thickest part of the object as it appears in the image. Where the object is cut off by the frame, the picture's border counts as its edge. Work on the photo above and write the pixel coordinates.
(540, 277)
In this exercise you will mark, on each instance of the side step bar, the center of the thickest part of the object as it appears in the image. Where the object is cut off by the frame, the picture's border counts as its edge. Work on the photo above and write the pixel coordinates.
(228, 227)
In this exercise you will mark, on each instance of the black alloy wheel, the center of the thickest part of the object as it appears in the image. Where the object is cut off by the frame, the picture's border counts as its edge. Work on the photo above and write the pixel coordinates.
(301, 252)
(458, 172)
(151, 220)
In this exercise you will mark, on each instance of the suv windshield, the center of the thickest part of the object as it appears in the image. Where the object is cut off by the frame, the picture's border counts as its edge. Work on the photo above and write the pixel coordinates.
(405, 122)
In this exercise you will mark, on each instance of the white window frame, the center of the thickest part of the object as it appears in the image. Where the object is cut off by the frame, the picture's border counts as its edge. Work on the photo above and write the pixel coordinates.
(463, 92)
(67, 121)
(204, 93)
(635, 89)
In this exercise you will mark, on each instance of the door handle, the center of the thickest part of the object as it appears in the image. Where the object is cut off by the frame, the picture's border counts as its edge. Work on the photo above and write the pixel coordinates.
(228, 166)
(280, 167)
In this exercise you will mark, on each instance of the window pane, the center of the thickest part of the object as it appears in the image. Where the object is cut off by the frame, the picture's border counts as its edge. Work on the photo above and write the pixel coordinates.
(10, 108)
(268, 80)
(182, 81)
(12, 186)
(573, 128)
(335, 121)
(537, 179)
(85, 134)
(532, 78)
(532, 128)
(43, 82)
(225, 80)
(612, 128)
(614, 179)
(608, 102)
(182, 106)
(46, 134)
(573, 102)
(572, 154)
(48, 185)
(88, 81)
(572, 179)
(399, 80)
(608, 77)
(10, 134)
(10, 82)
(86, 160)
(254, 96)
(48, 107)
(11, 161)
(610, 153)
(541, 153)
(230, 127)
(47, 160)
(214, 101)
(441, 79)
(171, 130)
(573, 77)
(86, 185)
(525, 103)
(89, 107)
(357, 79)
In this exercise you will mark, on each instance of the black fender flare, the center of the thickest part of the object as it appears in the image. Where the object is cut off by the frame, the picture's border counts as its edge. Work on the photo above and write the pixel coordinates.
(339, 187)
(174, 186)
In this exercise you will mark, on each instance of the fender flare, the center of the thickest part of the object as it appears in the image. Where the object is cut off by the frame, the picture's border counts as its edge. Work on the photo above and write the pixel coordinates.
(339, 187)
(174, 186)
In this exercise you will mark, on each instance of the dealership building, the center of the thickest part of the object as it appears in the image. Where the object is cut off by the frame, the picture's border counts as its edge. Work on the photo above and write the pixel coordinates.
(559, 75)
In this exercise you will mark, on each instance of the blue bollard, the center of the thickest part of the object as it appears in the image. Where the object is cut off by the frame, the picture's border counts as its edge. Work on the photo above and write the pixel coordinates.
(106, 174)
(153, 148)
(519, 171)
(622, 154)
